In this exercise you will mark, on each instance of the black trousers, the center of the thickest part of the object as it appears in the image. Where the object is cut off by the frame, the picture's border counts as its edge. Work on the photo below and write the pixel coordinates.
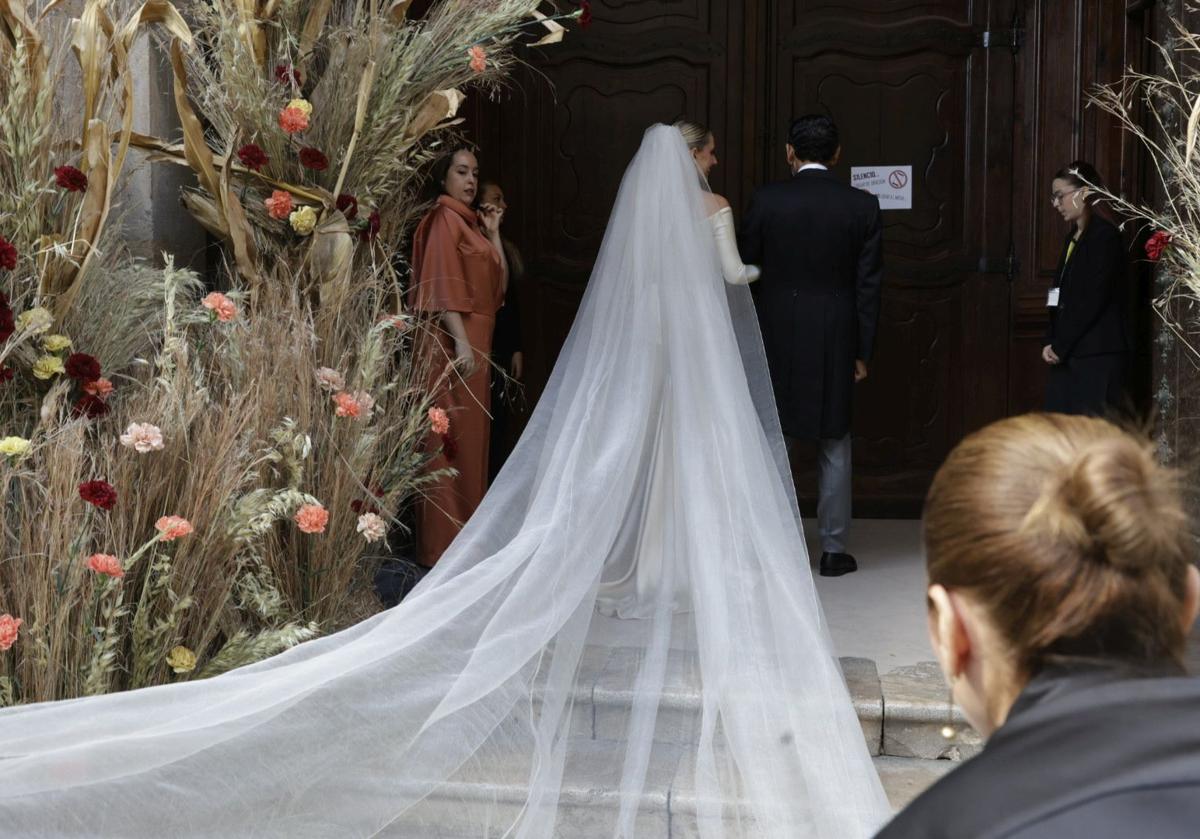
(1092, 385)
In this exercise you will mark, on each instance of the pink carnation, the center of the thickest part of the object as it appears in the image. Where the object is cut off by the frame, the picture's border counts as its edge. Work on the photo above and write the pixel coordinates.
(293, 120)
(142, 437)
(279, 205)
(106, 564)
(478, 58)
(439, 421)
(365, 401)
(372, 527)
(100, 388)
(330, 379)
(172, 528)
(220, 305)
(9, 626)
(312, 518)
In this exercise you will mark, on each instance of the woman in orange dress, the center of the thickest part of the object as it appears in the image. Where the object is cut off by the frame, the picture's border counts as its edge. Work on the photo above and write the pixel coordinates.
(459, 279)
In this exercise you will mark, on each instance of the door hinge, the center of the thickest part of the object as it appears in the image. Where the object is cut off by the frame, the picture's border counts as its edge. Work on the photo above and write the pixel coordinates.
(1013, 37)
(1014, 264)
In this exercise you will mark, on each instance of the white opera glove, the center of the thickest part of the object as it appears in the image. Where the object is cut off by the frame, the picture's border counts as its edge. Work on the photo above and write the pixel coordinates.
(736, 272)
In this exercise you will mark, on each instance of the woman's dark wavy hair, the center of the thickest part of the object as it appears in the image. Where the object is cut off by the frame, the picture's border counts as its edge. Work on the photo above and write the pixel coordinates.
(441, 168)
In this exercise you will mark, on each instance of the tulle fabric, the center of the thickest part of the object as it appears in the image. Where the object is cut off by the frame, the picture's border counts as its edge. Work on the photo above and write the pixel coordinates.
(497, 700)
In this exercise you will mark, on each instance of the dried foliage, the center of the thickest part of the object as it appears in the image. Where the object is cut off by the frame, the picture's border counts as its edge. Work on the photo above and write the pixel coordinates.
(1162, 111)
(283, 410)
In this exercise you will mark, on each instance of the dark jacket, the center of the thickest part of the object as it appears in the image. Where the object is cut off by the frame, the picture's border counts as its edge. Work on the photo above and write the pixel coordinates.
(819, 243)
(1089, 751)
(1089, 319)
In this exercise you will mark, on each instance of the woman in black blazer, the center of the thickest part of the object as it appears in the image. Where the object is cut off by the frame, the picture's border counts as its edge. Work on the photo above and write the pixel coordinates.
(1088, 341)
(1061, 593)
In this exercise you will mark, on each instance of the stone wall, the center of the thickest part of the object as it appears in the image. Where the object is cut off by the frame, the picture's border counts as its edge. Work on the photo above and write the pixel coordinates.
(148, 202)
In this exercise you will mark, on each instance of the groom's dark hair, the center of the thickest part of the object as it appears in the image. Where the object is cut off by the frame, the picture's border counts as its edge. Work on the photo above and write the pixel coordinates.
(814, 137)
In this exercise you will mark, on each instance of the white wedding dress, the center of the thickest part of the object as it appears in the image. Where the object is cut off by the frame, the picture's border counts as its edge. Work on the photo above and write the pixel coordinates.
(500, 699)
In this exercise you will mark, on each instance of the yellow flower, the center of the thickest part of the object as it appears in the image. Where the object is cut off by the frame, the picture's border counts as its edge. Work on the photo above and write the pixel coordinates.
(301, 105)
(56, 343)
(48, 366)
(14, 446)
(182, 660)
(37, 320)
(303, 220)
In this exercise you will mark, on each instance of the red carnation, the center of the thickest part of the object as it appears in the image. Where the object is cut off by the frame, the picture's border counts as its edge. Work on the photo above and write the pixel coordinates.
(253, 157)
(100, 493)
(371, 229)
(585, 14)
(8, 254)
(7, 323)
(92, 407)
(359, 506)
(348, 204)
(1157, 244)
(311, 158)
(285, 74)
(83, 367)
(70, 179)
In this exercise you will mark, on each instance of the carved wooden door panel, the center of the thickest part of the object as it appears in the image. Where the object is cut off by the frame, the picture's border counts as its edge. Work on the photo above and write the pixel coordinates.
(571, 122)
(926, 84)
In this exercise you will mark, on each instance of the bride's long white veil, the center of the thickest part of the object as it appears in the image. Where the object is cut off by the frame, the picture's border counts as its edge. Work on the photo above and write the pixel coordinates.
(496, 700)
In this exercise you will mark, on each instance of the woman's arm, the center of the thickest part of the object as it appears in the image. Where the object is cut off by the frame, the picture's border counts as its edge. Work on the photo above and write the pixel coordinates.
(1093, 279)
(736, 272)
(490, 218)
(464, 355)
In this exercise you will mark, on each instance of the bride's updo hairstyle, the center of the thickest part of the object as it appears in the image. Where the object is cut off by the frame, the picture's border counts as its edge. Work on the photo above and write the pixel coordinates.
(694, 134)
(1069, 535)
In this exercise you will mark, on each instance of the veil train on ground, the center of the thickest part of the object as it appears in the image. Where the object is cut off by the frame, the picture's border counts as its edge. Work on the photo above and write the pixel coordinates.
(499, 699)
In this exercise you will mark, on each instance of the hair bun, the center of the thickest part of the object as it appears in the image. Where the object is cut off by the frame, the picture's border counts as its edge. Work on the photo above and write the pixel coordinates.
(1114, 505)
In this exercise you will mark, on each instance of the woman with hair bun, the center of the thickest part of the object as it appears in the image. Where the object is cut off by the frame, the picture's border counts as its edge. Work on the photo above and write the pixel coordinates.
(1061, 593)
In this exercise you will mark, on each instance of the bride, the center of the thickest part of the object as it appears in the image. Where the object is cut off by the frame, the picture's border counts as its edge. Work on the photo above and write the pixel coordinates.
(501, 699)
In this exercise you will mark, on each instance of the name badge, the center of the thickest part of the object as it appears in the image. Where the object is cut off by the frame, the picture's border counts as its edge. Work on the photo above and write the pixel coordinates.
(1052, 297)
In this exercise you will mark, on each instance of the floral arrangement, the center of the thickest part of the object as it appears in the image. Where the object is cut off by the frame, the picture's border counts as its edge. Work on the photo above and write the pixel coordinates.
(192, 480)
(1162, 112)
(1171, 102)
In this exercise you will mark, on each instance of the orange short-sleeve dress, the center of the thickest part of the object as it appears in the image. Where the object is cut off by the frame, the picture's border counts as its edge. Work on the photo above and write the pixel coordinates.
(455, 269)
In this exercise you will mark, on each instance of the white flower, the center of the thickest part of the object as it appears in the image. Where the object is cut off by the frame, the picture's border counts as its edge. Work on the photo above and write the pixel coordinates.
(142, 437)
(372, 527)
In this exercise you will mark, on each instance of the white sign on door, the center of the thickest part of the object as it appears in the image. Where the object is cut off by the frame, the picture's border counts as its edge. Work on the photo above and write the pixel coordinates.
(891, 184)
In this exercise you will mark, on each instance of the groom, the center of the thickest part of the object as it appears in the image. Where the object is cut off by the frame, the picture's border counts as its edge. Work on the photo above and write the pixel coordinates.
(819, 243)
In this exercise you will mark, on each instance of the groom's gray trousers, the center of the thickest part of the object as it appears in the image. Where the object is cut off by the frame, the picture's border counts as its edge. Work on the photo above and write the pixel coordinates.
(833, 492)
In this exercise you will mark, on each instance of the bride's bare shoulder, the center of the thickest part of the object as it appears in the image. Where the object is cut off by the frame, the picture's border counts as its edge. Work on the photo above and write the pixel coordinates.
(714, 203)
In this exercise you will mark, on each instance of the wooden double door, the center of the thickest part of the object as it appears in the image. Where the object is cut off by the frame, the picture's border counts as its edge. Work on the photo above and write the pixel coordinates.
(929, 85)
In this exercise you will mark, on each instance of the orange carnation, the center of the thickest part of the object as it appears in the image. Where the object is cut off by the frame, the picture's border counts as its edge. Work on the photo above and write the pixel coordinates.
(279, 205)
(312, 518)
(293, 120)
(172, 527)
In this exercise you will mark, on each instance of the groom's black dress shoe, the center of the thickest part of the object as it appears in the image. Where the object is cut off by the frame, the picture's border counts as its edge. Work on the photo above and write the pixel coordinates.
(835, 565)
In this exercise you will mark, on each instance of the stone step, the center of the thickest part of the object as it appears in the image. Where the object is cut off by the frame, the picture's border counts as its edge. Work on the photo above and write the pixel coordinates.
(902, 714)
(666, 807)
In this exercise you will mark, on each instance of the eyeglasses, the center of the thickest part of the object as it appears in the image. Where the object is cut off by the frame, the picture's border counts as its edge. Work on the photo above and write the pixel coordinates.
(1057, 197)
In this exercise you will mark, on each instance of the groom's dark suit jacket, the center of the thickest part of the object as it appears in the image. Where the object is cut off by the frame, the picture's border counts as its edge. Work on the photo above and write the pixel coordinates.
(818, 241)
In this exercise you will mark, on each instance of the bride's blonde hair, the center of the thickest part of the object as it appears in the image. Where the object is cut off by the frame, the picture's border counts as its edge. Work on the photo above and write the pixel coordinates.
(694, 134)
